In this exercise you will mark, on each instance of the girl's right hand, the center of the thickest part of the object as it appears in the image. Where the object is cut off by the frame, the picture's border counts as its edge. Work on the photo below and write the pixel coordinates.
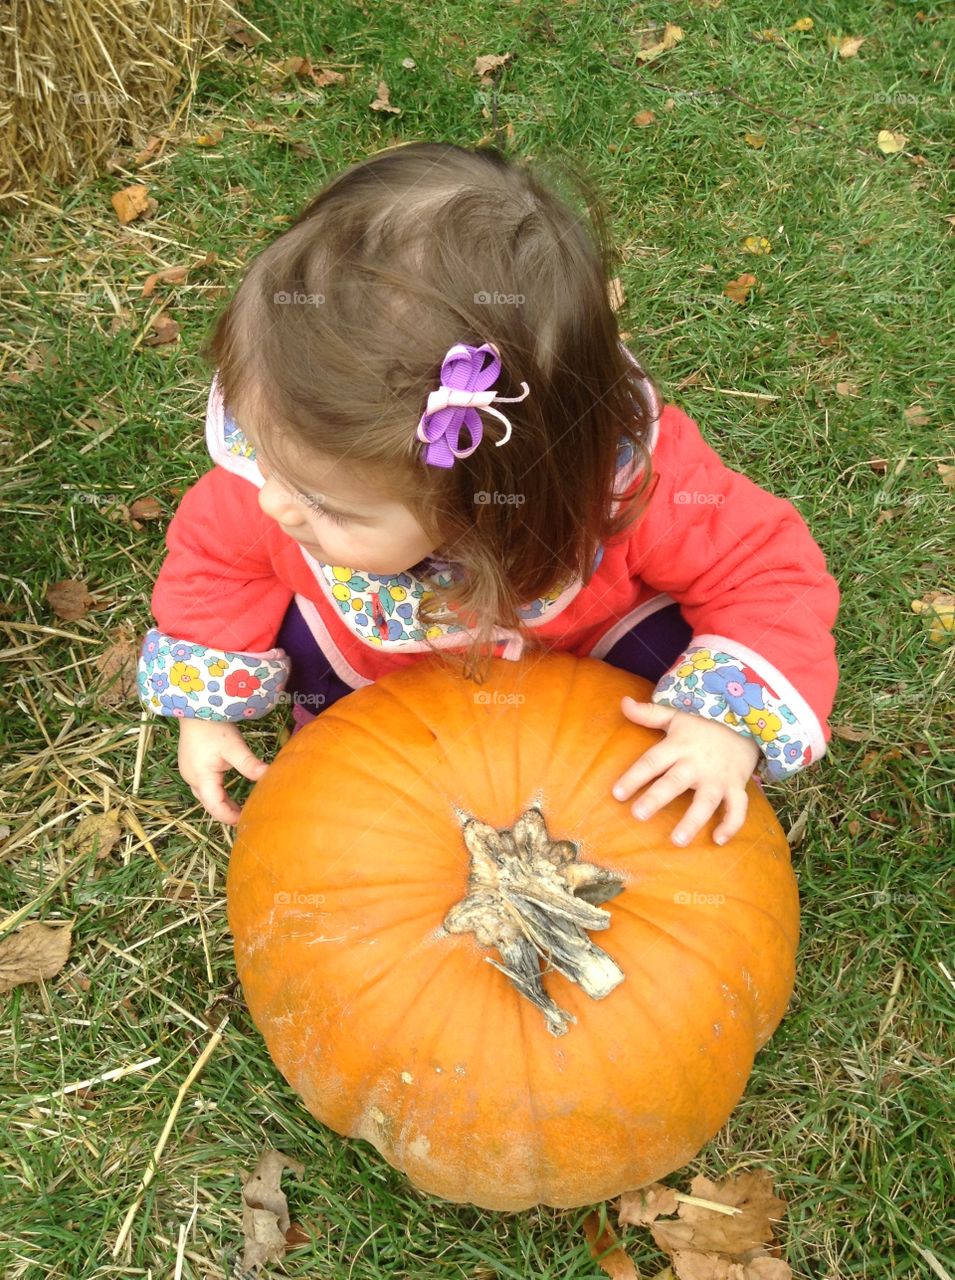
(208, 749)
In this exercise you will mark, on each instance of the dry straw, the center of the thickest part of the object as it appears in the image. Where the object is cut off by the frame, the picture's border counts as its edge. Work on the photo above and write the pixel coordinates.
(78, 78)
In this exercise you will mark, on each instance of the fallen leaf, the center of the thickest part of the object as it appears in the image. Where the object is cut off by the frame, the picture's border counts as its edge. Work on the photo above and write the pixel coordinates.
(146, 509)
(615, 294)
(757, 244)
(938, 609)
(879, 465)
(757, 140)
(166, 330)
(35, 952)
(326, 77)
(643, 118)
(846, 389)
(99, 832)
(704, 1231)
(802, 24)
(768, 35)
(639, 1208)
(210, 139)
(241, 34)
(891, 143)
(153, 142)
(488, 63)
(616, 1263)
(849, 734)
(382, 103)
(915, 415)
(849, 46)
(169, 275)
(69, 599)
(265, 1216)
(689, 1265)
(116, 683)
(828, 340)
(739, 289)
(672, 35)
(947, 473)
(409, 64)
(130, 203)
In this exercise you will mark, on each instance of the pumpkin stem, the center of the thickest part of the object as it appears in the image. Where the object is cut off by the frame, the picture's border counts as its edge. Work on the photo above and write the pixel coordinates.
(532, 899)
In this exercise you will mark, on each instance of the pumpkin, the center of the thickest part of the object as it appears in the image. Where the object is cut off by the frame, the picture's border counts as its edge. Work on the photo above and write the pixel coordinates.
(460, 947)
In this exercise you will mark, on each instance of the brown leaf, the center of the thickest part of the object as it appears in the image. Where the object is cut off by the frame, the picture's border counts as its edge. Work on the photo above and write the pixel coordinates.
(849, 735)
(166, 330)
(616, 1263)
(297, 1235)
(739, 289)
(849, 46)
(890, 143)
(32, 953)
(915, 415)
(643, 118)
(130, 203)
(846, 388)
(170, 275)
(210, 139)
(69, 599)
(325, 77)
(265, 1216)
(643, 1206)
(241, 34)
(672, 35)
(146, 509)
(488, 63)
(153, 143)
(382, 102)
(757, 140)
(704, 1231)
(947, 473)
(117, 670)
(99, 831)
(689, 1265)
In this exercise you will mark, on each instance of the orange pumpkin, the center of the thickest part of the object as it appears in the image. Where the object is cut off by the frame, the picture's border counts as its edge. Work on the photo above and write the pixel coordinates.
(416, 894)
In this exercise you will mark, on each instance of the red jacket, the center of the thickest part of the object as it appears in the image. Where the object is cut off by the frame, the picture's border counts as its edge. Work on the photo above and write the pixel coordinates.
(750, 580)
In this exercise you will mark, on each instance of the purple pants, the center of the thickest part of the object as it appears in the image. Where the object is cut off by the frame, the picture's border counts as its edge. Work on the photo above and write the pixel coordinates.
(647, 650)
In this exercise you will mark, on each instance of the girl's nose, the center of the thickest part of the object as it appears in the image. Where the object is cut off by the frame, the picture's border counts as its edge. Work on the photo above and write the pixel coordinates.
(278, 503)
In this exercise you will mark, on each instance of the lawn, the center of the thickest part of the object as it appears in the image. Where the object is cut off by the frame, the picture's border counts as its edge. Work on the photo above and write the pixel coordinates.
(831, 385)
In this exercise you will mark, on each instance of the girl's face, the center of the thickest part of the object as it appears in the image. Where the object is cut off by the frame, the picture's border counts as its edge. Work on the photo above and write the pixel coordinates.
(337, 520)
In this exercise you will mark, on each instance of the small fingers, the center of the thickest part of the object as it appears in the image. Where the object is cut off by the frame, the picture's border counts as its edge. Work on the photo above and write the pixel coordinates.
(705, 803)
(650, 764)
(213, 797)
(736, 805)
(244, 760)
(673, 783)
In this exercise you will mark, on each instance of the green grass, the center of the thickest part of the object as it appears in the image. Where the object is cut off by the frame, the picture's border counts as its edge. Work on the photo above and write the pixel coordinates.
(847, 1104)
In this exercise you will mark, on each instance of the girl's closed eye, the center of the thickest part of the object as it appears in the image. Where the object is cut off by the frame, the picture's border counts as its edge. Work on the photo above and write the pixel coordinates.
(313, 505)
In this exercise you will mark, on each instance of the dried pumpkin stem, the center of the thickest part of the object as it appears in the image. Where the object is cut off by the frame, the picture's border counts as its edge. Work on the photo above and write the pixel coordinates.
(530, 898)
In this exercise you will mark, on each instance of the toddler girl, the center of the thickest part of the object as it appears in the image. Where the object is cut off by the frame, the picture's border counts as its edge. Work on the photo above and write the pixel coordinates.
(428, 437)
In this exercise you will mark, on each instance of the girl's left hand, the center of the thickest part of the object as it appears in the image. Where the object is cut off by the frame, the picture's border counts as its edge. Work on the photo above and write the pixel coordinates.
(716, 761)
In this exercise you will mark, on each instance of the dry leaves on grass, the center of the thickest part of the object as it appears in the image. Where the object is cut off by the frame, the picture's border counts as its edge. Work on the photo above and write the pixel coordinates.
(487, 63)
(383, 101)
(739, 289)
(938, 611)
(70, 599)
(707, 1243)
(616, 1262)
(265, 1218)
(757, 140)
(98, 831)
(132, 202)
(847, 46)
(758, 245)
(672, 35)
(890, 143)
(35, 952)
(165, 330)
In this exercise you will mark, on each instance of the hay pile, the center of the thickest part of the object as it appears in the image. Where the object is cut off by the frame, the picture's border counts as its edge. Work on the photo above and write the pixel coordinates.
(78, 78)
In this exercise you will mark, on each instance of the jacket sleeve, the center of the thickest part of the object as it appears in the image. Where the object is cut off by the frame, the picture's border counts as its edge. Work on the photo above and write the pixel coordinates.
(753, 586)
(218, 605)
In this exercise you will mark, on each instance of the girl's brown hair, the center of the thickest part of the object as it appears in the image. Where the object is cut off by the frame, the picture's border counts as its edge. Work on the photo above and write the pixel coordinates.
(339, 328)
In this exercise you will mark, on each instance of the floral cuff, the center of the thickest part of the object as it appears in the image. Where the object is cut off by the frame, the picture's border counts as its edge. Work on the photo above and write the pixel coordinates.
(194, 681)
(720, 684)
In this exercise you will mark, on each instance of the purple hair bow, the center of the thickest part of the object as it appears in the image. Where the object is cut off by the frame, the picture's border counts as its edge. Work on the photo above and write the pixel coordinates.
(465, 388)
